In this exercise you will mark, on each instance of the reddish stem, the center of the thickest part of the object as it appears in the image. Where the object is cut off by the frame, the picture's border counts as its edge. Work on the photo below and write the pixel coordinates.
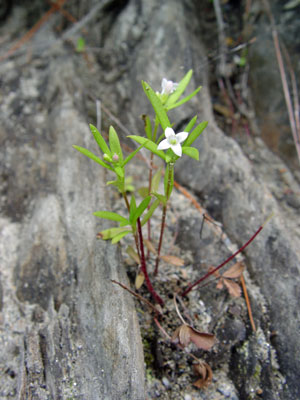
(190, 287)
(144, 268)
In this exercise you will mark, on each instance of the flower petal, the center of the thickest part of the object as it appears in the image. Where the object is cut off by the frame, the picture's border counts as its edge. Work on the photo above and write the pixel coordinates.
(163, 85)
(163, 145)
(177, 149)
(181, 136)
(169, 132)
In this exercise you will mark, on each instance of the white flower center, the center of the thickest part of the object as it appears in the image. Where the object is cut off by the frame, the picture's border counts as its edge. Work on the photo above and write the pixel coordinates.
(172, 140)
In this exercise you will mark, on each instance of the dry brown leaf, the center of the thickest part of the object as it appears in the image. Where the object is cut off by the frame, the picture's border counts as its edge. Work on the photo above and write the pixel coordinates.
(220, 284)
(139, 280)
(234, 288)
(186, 334)
(204, 370)
(150, 246)
(133, 254)
(202, 340)
(178, 262)
(235, 271)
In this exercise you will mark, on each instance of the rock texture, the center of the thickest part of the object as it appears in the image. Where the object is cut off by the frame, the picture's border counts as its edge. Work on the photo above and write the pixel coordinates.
(66, 331)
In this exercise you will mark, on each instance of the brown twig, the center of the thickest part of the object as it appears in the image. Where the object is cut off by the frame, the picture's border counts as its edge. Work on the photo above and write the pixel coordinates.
(242, 279)
(55, 6)
(287, 96)
(138, 296)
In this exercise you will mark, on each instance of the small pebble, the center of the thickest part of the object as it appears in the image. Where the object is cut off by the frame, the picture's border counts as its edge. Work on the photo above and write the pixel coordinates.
(166, 382)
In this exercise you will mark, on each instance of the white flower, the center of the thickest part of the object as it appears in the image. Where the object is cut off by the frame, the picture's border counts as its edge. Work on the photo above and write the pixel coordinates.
(168, 87)
(173, 141)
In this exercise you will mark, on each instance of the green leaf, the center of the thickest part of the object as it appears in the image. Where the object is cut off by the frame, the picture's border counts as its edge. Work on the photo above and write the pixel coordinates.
(131, 155)
(162, 199)
(118, 237)
(155, 180)
(148, 127)
(157, 105)
(119, 171)
(140, 209)
(132, 207)
(151, 210)
(149, 145)
(186, 99)
(168, 184)
(143, 191)
(80, 45)
(196, 132)
(191, 152)
(191, 124)
(112, 232)
(99, 139)
(112, 216)
(92, 156)
(180, 89)
(114, 143)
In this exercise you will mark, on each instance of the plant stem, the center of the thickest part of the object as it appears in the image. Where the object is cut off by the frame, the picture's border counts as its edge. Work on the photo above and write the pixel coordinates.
(163, 220)
(134, 235)
(149, 191)
(144, 268)
(190, 287)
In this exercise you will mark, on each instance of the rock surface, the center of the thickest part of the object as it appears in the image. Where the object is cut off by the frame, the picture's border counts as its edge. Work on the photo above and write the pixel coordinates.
(66, 331)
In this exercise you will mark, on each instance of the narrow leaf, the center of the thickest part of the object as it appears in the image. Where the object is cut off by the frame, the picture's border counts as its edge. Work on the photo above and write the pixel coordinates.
(161, 198)
(140, 209)
(99, 139)
(119, 171)
(112, 216)
(191, 124)
(110, 233)
(157, 105)
(92, 156)
(186, 99)
(114, 143)
(143, 191)
(147, 126)
(149, 145)
(131, 155)
(118, 237)
(180, 89)
(132, 207)
(151, 210)
(156, 179)
(196, 132)
(191, 152)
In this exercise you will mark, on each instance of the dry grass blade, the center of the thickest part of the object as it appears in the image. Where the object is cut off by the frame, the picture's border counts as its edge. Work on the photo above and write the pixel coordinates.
(178, 262)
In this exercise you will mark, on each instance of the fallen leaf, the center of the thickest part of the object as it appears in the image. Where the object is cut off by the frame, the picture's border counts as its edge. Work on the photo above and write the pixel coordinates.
(133, 254)
(204, 370)
(139, 280)
(178, 262)
(235, 271)
(150, 246)
(185, 334)
(234, 288)
(202, 340)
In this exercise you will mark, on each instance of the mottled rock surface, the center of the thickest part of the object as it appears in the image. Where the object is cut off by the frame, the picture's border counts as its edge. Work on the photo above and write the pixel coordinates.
(66, 331)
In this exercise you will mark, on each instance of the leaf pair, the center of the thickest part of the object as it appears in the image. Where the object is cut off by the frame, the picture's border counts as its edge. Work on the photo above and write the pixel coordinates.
(225, 279)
